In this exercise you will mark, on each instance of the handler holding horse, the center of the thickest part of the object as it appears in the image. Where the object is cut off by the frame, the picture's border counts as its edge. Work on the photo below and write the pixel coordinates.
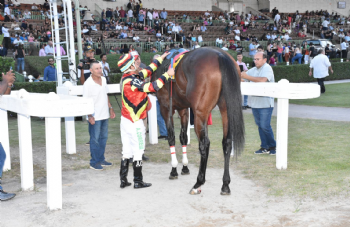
(134, 103)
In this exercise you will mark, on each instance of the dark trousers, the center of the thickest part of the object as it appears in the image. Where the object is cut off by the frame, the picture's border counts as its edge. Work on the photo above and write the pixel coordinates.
(320, 82)
(344, 54)
(7, 42)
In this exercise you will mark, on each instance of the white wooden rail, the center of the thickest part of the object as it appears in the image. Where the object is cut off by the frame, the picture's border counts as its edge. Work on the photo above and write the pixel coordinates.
(66, 104)
(52, 107)
(283, 91)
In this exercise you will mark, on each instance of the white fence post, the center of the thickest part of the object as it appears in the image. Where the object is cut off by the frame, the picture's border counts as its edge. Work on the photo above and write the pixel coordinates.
(282, 130)
(25, 152)
(53, 162)
(4, 138)
(70, 135)
(152, 121)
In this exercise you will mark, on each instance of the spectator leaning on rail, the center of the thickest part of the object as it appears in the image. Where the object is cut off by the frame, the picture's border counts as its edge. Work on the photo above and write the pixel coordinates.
(320, 64)
(95, 87)
(135, 101)
(262, 107)
(5, 89)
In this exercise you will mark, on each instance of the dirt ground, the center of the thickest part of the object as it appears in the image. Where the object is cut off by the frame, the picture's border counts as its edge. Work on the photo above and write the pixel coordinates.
(93, 198)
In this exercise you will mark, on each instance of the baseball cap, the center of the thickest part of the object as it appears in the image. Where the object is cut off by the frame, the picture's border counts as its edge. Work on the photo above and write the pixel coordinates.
(88, 48)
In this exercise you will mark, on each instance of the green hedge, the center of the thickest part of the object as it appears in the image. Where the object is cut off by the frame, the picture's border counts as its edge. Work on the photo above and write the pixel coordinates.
(295, 74)
(5, 64)
(300, 73)
(34, 64)
(36, 87)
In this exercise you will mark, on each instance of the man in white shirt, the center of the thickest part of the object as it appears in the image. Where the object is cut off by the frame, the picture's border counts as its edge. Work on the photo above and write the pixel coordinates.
(320, 64)
(7, 39)
(268, 36)
(286, 37)
(17, 41)
(130, 14)
(7, 14)
(118, 27)
(344, 49)
(49, 48)
(225, 48)
(207, 13)
(196, 46)
(176, 28)
(325, 25)
(273, 37)
(277, 18)
(95, 87)
(219, 42)
(237, 37)
(237, 31)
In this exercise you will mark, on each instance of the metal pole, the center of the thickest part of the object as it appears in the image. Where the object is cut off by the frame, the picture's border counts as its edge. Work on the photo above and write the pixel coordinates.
(77, 19)
(57, 44)
(72, 63)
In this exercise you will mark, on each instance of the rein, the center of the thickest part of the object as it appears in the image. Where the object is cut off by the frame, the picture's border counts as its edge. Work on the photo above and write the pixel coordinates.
(171, 91)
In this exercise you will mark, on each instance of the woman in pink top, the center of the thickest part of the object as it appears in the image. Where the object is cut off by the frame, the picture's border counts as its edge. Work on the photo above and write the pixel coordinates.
(272, 60)
(31, 38)
(155, 14)
(279, 52)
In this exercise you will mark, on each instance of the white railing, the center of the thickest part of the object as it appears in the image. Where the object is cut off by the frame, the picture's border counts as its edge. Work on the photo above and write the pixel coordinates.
(283, 91)
(52, 107)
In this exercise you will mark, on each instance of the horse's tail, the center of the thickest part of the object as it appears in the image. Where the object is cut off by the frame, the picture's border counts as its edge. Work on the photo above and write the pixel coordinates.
(231, 89)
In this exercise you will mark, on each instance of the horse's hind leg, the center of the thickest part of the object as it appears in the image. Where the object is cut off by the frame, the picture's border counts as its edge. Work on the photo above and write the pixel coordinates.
(184, 140)
(227, 147)
(201, 129)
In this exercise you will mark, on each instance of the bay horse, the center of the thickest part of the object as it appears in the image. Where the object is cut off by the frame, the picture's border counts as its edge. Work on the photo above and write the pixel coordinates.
(204, 78)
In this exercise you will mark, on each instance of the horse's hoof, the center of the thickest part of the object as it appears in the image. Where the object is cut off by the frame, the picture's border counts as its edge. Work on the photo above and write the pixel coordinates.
(195, 191)
(173, 174)
(185, 171)
(173, 177)
(225, 190)
(225, 193)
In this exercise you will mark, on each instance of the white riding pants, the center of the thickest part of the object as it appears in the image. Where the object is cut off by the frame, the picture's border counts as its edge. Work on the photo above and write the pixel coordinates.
(133, 138)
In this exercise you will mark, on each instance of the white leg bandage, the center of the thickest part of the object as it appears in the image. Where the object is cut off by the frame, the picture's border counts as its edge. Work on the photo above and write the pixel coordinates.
(174, 161)
(184, 155)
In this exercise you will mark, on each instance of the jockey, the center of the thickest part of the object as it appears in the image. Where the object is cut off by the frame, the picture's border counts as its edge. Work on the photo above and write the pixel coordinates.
(134, 103)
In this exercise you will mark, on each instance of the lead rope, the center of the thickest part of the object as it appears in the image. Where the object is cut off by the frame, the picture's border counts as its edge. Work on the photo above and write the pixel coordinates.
(171, 90)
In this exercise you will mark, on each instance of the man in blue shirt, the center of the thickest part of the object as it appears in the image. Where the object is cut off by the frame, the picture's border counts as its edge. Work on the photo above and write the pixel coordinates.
(163, 14)
(141, 17)
(252, 48)
(50, 71)
(203, 28)
(262, 107)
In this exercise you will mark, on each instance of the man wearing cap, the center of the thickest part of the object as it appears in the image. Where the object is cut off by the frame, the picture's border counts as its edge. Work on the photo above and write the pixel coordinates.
(84, 66)
(134, 105)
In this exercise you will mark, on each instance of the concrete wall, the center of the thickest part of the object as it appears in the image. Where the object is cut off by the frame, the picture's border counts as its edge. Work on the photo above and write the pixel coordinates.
(303, 5)
(157, 4)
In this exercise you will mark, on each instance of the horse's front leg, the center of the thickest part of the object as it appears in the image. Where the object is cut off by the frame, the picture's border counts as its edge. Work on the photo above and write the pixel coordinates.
(171, 140)
(184, 140)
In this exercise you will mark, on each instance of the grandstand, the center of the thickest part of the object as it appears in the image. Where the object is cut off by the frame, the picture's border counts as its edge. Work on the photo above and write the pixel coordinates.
(219, 24)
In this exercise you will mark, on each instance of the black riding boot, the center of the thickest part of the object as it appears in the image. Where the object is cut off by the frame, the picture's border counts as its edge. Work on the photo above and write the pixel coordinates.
(138, 179)
(124, 169)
